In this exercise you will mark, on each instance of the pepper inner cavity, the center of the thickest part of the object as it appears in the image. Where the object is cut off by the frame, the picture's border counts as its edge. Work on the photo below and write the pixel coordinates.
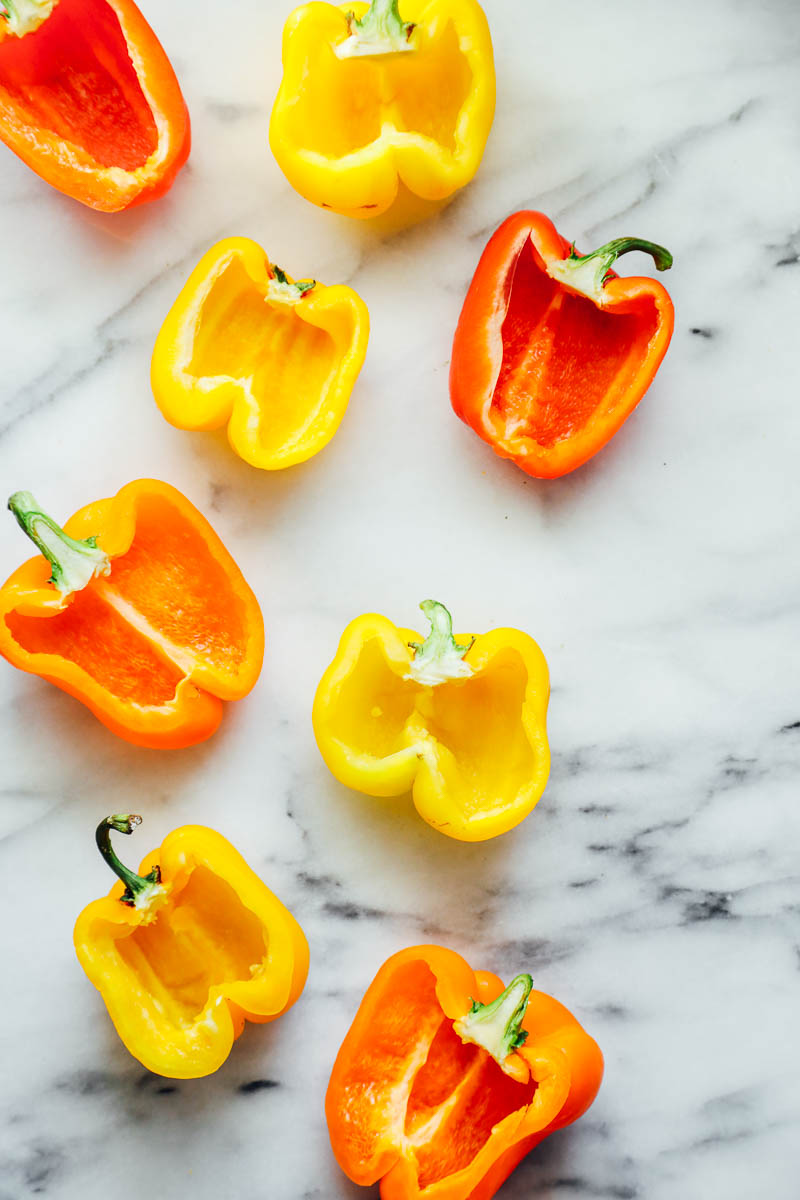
(457, 1097)
(93, 636)
(170, 576)
(203, 939)
(284, 363)
(186, 602)
(378, 713)
(345, 105)
(82, 88)
(480, 721)
(374, 706)
(563, 357)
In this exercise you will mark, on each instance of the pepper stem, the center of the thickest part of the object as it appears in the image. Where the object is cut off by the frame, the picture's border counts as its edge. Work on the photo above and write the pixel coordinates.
(497, 1027)
(73, 563)
(439, 657)
(281, 289)
(381, 30)
(138, 888)
(23, 16)
(588, 273)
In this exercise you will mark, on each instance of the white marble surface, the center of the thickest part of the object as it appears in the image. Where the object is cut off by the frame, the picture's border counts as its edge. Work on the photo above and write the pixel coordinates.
(655, 888)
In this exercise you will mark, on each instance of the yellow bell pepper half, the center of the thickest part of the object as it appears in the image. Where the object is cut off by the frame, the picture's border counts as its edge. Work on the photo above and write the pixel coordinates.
(373, 106)
(275, 359)
(459, 722)
(189, 949)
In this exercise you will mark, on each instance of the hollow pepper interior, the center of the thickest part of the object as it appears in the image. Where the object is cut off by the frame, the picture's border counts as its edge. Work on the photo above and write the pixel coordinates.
(416, 1084)
(73, 75)
(479, 720)
(203, 938)
(564, 358)
(347, 104)
(166, 601)
(284, 362)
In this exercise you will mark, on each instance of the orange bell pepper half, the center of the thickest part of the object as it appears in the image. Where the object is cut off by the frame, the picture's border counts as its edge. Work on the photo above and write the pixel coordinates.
(446, 1080)
(89, 100)
(137, 609)
(553, 351)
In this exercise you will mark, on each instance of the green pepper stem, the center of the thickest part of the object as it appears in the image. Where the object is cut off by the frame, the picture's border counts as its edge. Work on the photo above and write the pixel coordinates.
(588, 273)
(619, 246)
(381, 30)
(137, 887)
(439, 657)
(497, 1027)
(281, 289)
(23, 16)
(73, 563)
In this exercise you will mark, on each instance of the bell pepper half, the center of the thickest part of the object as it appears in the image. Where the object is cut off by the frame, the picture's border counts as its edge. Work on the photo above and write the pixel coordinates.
(460, 723)
(89, 100)
(188, 950)
(553, 351)
(137, 609)
(376, 107)
(275, 359)
(446, 1080)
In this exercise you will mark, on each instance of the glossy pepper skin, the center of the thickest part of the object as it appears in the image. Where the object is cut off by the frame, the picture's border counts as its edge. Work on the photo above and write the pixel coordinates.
(553, 351)
(276, 360)
(445, 1082)
(376, 108)
(463, 726)
(89, 100)
(188, 950)
(137, 609)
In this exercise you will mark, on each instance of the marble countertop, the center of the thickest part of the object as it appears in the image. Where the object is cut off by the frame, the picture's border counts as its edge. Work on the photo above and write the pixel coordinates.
(655, 888)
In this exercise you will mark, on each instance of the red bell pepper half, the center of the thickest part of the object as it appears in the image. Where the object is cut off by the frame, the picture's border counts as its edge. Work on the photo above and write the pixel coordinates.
(553, 351)
(89, 100)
